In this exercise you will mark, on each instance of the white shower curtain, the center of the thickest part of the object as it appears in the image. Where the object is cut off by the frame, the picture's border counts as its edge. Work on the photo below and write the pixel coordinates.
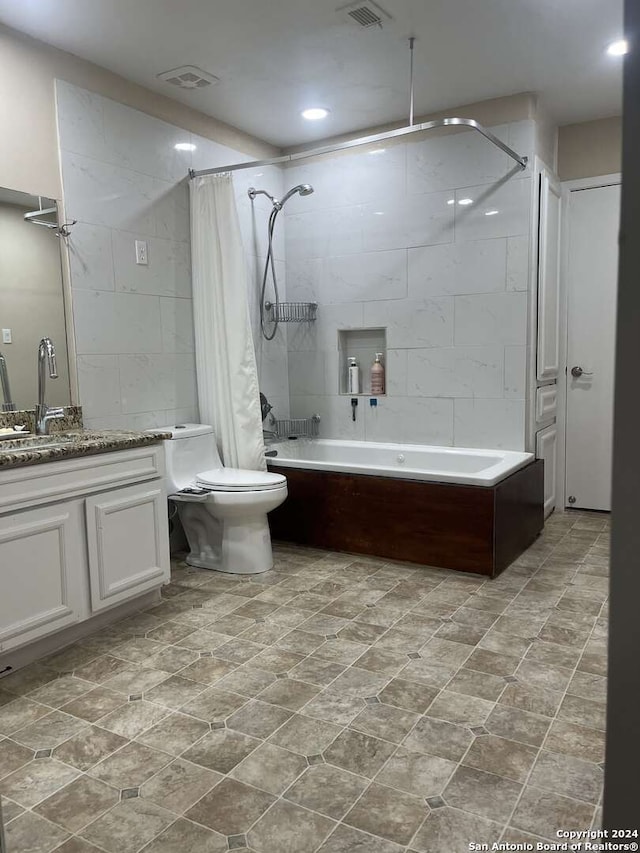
(228, 390)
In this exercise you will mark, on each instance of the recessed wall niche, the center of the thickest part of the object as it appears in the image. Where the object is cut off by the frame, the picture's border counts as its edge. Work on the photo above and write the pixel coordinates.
(361, 344)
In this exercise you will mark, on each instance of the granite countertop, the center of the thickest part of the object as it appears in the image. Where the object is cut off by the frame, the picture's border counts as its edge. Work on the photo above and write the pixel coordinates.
(33, 450)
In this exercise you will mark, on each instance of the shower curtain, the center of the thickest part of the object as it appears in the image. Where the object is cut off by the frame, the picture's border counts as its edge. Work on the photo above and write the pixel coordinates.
(227, 376)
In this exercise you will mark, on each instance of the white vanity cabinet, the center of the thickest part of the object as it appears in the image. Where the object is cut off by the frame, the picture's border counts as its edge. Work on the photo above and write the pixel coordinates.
(127, 543)
(79, 536)
(42, 556)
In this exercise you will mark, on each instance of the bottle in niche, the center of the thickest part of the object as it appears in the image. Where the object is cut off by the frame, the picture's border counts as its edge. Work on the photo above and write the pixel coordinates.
(377, 376)
(354, 376)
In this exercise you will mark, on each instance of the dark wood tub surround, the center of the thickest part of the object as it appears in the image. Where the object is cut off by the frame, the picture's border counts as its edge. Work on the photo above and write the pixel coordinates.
(479, 529)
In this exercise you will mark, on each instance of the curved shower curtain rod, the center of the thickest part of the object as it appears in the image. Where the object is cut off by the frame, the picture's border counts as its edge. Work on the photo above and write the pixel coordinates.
(367, 140)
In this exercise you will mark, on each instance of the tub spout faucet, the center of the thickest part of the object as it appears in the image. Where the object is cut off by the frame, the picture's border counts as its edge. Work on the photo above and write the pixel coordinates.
(44, 414)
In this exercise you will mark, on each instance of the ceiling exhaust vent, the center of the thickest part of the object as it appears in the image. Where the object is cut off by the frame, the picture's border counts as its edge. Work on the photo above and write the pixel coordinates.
(188, 77)
(365, 14)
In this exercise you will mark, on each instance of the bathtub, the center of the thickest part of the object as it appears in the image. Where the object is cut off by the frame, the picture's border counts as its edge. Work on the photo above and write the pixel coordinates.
(457, 508)
(406, 461)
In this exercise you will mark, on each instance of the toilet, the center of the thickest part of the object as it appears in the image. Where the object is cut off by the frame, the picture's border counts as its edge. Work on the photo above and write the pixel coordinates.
(223, 510)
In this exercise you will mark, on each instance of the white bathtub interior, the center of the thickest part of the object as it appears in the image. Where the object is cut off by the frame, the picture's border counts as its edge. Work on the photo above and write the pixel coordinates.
(467, 466)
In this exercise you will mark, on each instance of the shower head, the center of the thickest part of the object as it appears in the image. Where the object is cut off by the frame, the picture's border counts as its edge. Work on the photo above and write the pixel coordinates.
(303, 189)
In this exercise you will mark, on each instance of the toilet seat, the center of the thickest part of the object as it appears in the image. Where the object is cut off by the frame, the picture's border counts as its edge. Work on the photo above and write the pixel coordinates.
(239, 480)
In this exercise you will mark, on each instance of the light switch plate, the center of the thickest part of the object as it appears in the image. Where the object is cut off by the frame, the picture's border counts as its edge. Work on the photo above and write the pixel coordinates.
(141, 252)
(6, 336)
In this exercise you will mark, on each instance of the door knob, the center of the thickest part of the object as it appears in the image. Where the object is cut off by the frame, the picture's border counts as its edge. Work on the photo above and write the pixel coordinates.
(577, 372)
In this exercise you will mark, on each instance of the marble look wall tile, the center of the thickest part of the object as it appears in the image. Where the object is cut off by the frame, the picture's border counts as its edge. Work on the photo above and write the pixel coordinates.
(515, 372)
(456, 372)
(186, 415)
(491, 318)
(457, 268)
(91, 257)
(512, 201)
(413, 322)
(144, 143)
(176, 319)
(335, 413)
(124, 180)
(489, 423)
(349, 177)
(272, 361)
(168, 272)
(102, 194)
(116, 322)
(254, 228)
(323, 233)
(446, 160)
(396, 372)
(410, 420)
(99, 381)
(80, 120)
(398, 222)
(322, 333)
(304, 279)
(171, 210)
(375, 275)
(209, 154)
(153, 382)
(307, 374)
(518, 263)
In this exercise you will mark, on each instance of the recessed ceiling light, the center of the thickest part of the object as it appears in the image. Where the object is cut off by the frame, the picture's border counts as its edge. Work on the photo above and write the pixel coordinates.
(377, 151)
(451, 201)
(491, 212)
(184, 146)
(314, 113)
(618, 48)
(465, 201)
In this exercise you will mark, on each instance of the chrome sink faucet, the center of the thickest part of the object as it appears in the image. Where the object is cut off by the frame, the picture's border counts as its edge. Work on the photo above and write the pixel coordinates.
(44, 414)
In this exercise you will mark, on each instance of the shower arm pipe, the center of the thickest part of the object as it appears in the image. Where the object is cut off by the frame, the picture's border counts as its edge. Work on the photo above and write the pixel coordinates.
(369, 140)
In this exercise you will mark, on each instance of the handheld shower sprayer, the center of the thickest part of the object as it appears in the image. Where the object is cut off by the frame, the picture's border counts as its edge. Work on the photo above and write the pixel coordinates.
(252, 192)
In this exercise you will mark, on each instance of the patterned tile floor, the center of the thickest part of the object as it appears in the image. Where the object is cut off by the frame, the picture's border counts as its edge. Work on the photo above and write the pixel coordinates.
(334, 704)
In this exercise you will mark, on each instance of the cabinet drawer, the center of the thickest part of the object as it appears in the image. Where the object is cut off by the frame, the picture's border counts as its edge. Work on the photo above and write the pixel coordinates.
(128, 543)
(42, 572)
(21, 487)
(546, 403)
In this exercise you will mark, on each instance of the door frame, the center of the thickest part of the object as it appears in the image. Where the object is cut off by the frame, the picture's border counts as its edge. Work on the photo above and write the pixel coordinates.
(561, 416)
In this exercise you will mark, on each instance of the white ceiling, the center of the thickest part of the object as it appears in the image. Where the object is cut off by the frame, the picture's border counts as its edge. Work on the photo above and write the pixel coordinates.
(275, 57)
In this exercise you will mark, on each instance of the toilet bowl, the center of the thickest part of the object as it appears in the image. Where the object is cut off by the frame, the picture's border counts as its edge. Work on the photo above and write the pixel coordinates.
(223, 510)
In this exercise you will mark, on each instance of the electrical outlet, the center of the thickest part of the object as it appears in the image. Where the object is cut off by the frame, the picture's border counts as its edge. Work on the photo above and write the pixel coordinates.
(6, 336)
(141, 252)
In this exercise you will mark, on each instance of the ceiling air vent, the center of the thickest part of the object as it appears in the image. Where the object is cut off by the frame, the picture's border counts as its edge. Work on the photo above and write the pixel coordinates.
(365, 14)
(188, 77)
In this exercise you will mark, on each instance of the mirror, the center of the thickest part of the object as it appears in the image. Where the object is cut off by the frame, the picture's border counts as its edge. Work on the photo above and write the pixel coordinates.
(31, 297)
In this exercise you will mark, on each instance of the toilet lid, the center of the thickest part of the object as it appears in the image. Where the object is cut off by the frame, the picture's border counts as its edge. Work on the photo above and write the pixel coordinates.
(240, 480)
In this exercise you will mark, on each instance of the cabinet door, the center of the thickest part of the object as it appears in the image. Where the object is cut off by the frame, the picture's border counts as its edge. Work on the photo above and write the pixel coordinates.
(128, 540)
(42, 572)
(549, 280)
(546, 448)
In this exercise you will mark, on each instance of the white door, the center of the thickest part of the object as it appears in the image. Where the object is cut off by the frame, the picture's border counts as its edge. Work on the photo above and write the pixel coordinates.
(128, 541)
(593, 223)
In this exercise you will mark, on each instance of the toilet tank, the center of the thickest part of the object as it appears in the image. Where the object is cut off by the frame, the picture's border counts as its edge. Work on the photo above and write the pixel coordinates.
(191, 448)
